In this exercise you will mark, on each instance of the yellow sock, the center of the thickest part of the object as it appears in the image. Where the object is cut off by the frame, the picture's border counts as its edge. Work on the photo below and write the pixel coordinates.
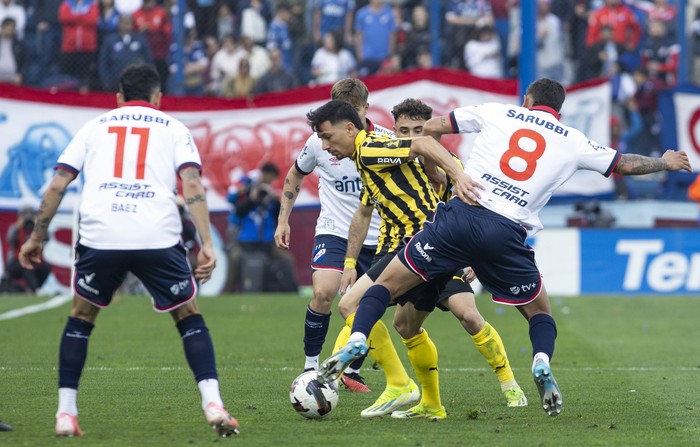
(424, 357)
(381, 348)
(342, 338)
(490, 345)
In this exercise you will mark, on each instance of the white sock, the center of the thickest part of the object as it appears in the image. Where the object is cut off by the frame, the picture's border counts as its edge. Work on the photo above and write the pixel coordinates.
(209, 388)
(67, 401)
(349, 370)
(357, 336)
(540, 356)
(311, 362)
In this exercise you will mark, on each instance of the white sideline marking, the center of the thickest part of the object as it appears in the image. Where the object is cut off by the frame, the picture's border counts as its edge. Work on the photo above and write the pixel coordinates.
(34, 308)
(240, 368)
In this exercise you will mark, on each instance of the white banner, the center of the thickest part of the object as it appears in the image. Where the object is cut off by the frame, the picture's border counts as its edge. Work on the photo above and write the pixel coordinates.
(687, 107)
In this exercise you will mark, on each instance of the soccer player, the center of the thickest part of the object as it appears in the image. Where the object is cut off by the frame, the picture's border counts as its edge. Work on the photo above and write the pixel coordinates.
(131, 158)
(409, 119)
(401, 190)
(339, 192)
(519, 157)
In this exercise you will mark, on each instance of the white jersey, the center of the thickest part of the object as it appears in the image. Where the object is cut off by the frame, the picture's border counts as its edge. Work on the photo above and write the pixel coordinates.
(130, 158)
(522, 155)
(339, 189)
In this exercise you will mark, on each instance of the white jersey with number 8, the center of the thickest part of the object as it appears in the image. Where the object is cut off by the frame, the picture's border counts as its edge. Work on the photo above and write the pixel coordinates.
(522, 155)
(130, 158)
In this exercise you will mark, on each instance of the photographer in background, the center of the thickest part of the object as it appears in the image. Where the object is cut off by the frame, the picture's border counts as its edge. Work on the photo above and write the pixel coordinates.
(256, 205)
(18, 234)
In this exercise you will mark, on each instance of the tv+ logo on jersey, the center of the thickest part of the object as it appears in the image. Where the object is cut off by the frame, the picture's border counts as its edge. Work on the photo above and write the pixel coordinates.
(348, 184)
(515, 290)
(507, 190)
(176, 288)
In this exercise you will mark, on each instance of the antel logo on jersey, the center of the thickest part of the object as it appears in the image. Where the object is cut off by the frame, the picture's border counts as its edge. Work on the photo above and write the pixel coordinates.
(422, 252)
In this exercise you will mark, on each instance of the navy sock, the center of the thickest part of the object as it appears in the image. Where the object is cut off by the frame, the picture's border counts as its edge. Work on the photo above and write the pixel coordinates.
(315, 330)
(372, 307)
(73, 352)
(199, 348)
(543, 332)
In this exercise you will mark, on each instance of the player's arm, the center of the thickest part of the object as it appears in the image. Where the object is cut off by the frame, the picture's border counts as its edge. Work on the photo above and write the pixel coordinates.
(357, 233)
(464, 187)
(30, 252)
(290, 192)
(633, 164)
(438, 126)
(196, 199)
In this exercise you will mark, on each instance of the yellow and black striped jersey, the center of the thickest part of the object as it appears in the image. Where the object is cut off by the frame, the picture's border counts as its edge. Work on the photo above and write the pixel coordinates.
(395, 184)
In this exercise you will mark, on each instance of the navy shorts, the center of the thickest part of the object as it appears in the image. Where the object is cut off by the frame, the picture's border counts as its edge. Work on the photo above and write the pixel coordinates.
(428, 295)
(461, 235)
(329, 254)
(165, 273)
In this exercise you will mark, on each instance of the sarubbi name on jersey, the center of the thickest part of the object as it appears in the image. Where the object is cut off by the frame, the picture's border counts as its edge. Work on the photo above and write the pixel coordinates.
(135, 117)
(539, 121)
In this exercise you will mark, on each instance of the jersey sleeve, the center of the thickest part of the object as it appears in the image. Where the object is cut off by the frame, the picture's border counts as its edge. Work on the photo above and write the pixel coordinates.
(73, 155)
(596, 157)
(390, 152)
(365, 198)
(307, 160)
(186, 152)
(467, 119)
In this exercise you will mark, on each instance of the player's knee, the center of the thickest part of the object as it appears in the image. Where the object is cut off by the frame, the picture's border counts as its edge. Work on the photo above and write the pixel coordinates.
(321, 301)
(472, 321)
(405, 329)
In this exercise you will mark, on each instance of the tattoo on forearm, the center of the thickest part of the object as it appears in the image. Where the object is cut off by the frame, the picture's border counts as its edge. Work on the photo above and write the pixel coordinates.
(196, 198)
(633, 164)
(443, 121)
(298, 188)
(190, 173)
(287, 182)
(289, 195)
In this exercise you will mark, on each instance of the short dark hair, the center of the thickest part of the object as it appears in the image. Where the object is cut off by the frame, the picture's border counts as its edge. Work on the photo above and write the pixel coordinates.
(412, 108)
(139, 82)
(547, 92)
(271, 168)
(334, 111)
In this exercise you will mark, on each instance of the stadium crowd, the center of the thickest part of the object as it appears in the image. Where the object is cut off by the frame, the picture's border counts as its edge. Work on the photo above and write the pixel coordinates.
(238, 48)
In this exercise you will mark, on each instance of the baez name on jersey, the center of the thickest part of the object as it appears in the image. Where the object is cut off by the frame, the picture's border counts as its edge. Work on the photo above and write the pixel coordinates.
(506, 190)
(135, 117)
(539, 121)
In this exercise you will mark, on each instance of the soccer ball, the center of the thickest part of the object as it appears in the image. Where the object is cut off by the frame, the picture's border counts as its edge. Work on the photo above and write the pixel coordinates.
(311, 398)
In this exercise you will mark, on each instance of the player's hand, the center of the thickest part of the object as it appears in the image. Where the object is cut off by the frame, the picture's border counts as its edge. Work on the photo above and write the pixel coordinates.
(467, 189)
(677, 161)
(30, 253)
(468, 274)
(347, 280)
(283, 235)
(206, 263)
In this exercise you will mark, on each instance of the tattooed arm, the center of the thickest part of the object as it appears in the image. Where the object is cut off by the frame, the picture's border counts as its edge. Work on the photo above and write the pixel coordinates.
(438, 126)
(632, 164)
(290, 192)
(196, 200)
(30, 253)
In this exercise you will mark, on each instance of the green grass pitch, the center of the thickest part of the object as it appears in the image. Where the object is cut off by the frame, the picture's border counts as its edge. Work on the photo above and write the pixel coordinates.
(628, 368)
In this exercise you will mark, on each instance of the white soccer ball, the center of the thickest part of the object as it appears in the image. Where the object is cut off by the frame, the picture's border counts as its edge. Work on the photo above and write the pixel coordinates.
(311, 398)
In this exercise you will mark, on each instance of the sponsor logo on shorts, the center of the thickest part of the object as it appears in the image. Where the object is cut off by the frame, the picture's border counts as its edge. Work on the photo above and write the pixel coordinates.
(176, 288)
(319, 254)
(427, 247)
(89, 277)
(422, 252)
(83, 284)
(523, 288)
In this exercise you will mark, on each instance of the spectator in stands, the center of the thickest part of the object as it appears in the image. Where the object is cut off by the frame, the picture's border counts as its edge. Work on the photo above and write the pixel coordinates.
(695, 46)
(578, 29)
(278, 37)
(659, 10)
(601, 58)
(424, 58)
(153, 23)
(242, 84)
(624, 23)
(12, 53)
(204, 16)
(17, 234)
(660, 53)
(331, 16)
(79, 20)
(375, 36)
(256, 55)
(332, 62)
(482, 54)
(550, 43)
(499, 9)
(462, 18)
(224, 64)
(44, 44)
(196, 63)
(8, 8)
(119, 50)
(225, 22)
(646, 100)
(391, 65)
(417, 36)
(109, 21)
(277, 78)
(254, 17)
